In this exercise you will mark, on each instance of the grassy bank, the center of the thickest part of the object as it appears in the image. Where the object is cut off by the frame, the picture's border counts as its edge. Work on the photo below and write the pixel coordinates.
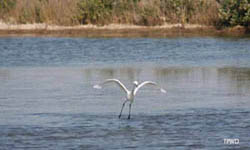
(46, 16)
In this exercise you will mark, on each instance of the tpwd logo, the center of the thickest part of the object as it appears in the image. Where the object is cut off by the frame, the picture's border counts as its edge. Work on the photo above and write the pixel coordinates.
(231, 141)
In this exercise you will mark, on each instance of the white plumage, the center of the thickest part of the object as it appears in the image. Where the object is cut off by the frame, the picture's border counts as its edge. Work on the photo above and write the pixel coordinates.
(129, 94)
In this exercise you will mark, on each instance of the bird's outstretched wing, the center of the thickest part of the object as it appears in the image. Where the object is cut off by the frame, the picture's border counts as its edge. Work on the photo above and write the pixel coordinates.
(149, 83)
(114, 81)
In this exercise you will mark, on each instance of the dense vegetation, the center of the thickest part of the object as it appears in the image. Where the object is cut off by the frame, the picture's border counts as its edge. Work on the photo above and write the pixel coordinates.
(235, 12)
(139, 12)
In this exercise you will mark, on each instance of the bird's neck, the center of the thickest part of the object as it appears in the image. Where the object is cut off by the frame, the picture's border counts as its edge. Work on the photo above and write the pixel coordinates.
(134, 87)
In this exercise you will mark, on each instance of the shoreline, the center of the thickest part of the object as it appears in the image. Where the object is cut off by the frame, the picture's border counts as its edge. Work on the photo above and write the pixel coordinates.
(119, 30)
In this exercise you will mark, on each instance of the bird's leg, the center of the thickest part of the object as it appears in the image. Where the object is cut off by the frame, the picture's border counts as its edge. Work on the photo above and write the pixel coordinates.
(122, 108)
(129, 110)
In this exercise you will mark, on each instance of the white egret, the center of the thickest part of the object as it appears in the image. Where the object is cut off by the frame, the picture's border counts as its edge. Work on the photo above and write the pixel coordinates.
(129, 94)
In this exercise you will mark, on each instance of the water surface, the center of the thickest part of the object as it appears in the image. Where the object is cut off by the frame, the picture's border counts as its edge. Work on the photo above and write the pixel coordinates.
(47, 100)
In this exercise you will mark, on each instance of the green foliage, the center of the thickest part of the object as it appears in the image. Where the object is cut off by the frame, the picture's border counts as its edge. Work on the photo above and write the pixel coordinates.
(235, 12)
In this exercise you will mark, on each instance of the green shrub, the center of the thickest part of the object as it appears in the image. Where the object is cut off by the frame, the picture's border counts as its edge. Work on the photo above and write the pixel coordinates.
(235, 12)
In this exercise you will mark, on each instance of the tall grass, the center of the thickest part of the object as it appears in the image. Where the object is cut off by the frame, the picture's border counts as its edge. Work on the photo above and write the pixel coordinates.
(101, 12)
(59, 12)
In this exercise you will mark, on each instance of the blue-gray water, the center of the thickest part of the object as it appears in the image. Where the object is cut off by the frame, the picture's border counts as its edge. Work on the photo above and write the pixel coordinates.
(47, 100)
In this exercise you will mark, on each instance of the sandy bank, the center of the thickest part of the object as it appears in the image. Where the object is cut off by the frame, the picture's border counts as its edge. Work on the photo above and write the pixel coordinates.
(42, 26)
(116, 30)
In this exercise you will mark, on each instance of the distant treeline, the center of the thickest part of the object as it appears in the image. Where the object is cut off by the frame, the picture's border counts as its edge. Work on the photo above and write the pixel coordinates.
(137, 12)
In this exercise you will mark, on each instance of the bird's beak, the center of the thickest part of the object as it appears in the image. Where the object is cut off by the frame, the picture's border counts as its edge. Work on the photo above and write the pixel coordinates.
(163, 91)
(97, 86)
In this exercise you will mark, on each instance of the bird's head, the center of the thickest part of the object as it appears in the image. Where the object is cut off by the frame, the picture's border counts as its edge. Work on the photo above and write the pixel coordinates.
(136, 83)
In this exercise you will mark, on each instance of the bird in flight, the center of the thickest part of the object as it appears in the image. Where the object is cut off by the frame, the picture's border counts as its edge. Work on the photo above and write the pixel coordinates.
(129, 94)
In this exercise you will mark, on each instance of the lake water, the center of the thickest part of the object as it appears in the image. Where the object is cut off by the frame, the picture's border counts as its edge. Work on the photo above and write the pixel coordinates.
(47, 100)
